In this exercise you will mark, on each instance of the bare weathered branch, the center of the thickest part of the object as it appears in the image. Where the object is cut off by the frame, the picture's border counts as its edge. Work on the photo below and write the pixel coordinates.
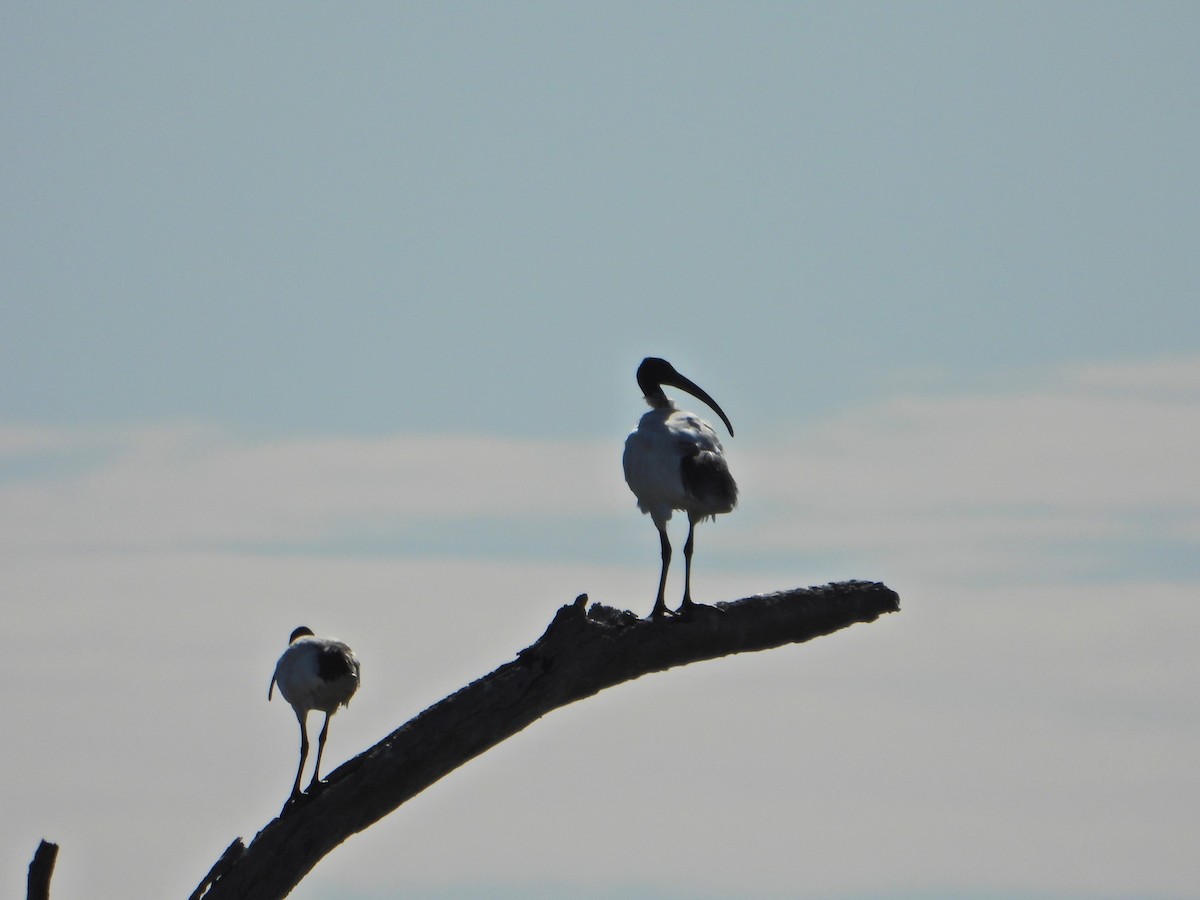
(582, 652)
(231, 855)
(40, 870)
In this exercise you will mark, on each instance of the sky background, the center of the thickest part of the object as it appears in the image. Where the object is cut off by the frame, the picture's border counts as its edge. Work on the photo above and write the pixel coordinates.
(329, 315)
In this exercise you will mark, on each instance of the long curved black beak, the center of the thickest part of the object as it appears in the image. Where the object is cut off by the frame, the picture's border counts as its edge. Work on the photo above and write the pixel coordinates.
(655, 372)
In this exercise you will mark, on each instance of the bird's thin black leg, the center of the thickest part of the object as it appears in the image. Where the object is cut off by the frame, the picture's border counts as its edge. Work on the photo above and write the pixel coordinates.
(660, 605)
(687, 566)
(316, 779)
(303, 756)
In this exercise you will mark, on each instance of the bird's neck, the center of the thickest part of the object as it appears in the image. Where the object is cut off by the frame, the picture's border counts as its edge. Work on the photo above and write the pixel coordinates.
(656, 399)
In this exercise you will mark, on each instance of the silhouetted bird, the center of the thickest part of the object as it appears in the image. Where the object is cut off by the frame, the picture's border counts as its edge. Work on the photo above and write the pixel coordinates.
(673, 460)
(314, 673)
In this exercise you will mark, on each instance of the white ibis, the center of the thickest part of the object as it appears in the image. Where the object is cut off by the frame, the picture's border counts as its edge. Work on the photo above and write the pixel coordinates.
(314, 673)
(673, 460)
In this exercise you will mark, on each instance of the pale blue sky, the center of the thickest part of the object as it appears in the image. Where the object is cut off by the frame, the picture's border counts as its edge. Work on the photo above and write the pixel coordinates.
(329, 314)
(424, 216)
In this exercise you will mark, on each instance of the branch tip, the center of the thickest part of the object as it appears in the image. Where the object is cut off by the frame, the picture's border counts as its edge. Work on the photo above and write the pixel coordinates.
(232, 854)
(40, 870)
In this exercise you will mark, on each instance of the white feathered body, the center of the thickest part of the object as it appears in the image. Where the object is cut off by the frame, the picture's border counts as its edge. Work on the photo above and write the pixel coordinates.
(317, 673)
(674, 460)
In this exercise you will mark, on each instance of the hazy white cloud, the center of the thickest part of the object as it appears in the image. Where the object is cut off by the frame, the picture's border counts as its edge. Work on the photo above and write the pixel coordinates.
(20, 441)
(1057, 447)
(1180, 375)
(181, 485)
(990, 482)
(1047, 481)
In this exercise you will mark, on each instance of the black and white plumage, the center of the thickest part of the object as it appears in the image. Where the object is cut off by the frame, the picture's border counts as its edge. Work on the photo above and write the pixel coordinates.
(314, 673)
(674, 460)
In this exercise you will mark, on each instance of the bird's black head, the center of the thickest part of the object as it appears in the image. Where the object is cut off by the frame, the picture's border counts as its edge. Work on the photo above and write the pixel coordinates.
(654, 372)
(302, 631)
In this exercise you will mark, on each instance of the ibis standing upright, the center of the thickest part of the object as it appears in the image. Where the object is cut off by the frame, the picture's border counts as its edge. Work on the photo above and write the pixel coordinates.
(314, 673)
(674, 460)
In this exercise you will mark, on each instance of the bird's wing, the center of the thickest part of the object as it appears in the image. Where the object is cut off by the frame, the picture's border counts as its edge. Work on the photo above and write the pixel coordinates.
(691, 434)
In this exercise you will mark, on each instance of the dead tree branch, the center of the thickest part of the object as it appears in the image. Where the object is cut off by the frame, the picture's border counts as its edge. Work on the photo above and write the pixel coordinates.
(231, 855)
(40, 870)
(582, 652)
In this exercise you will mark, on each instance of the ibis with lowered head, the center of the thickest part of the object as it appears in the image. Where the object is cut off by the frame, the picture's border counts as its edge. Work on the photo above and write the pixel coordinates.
(674, 461)
(314, 673)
